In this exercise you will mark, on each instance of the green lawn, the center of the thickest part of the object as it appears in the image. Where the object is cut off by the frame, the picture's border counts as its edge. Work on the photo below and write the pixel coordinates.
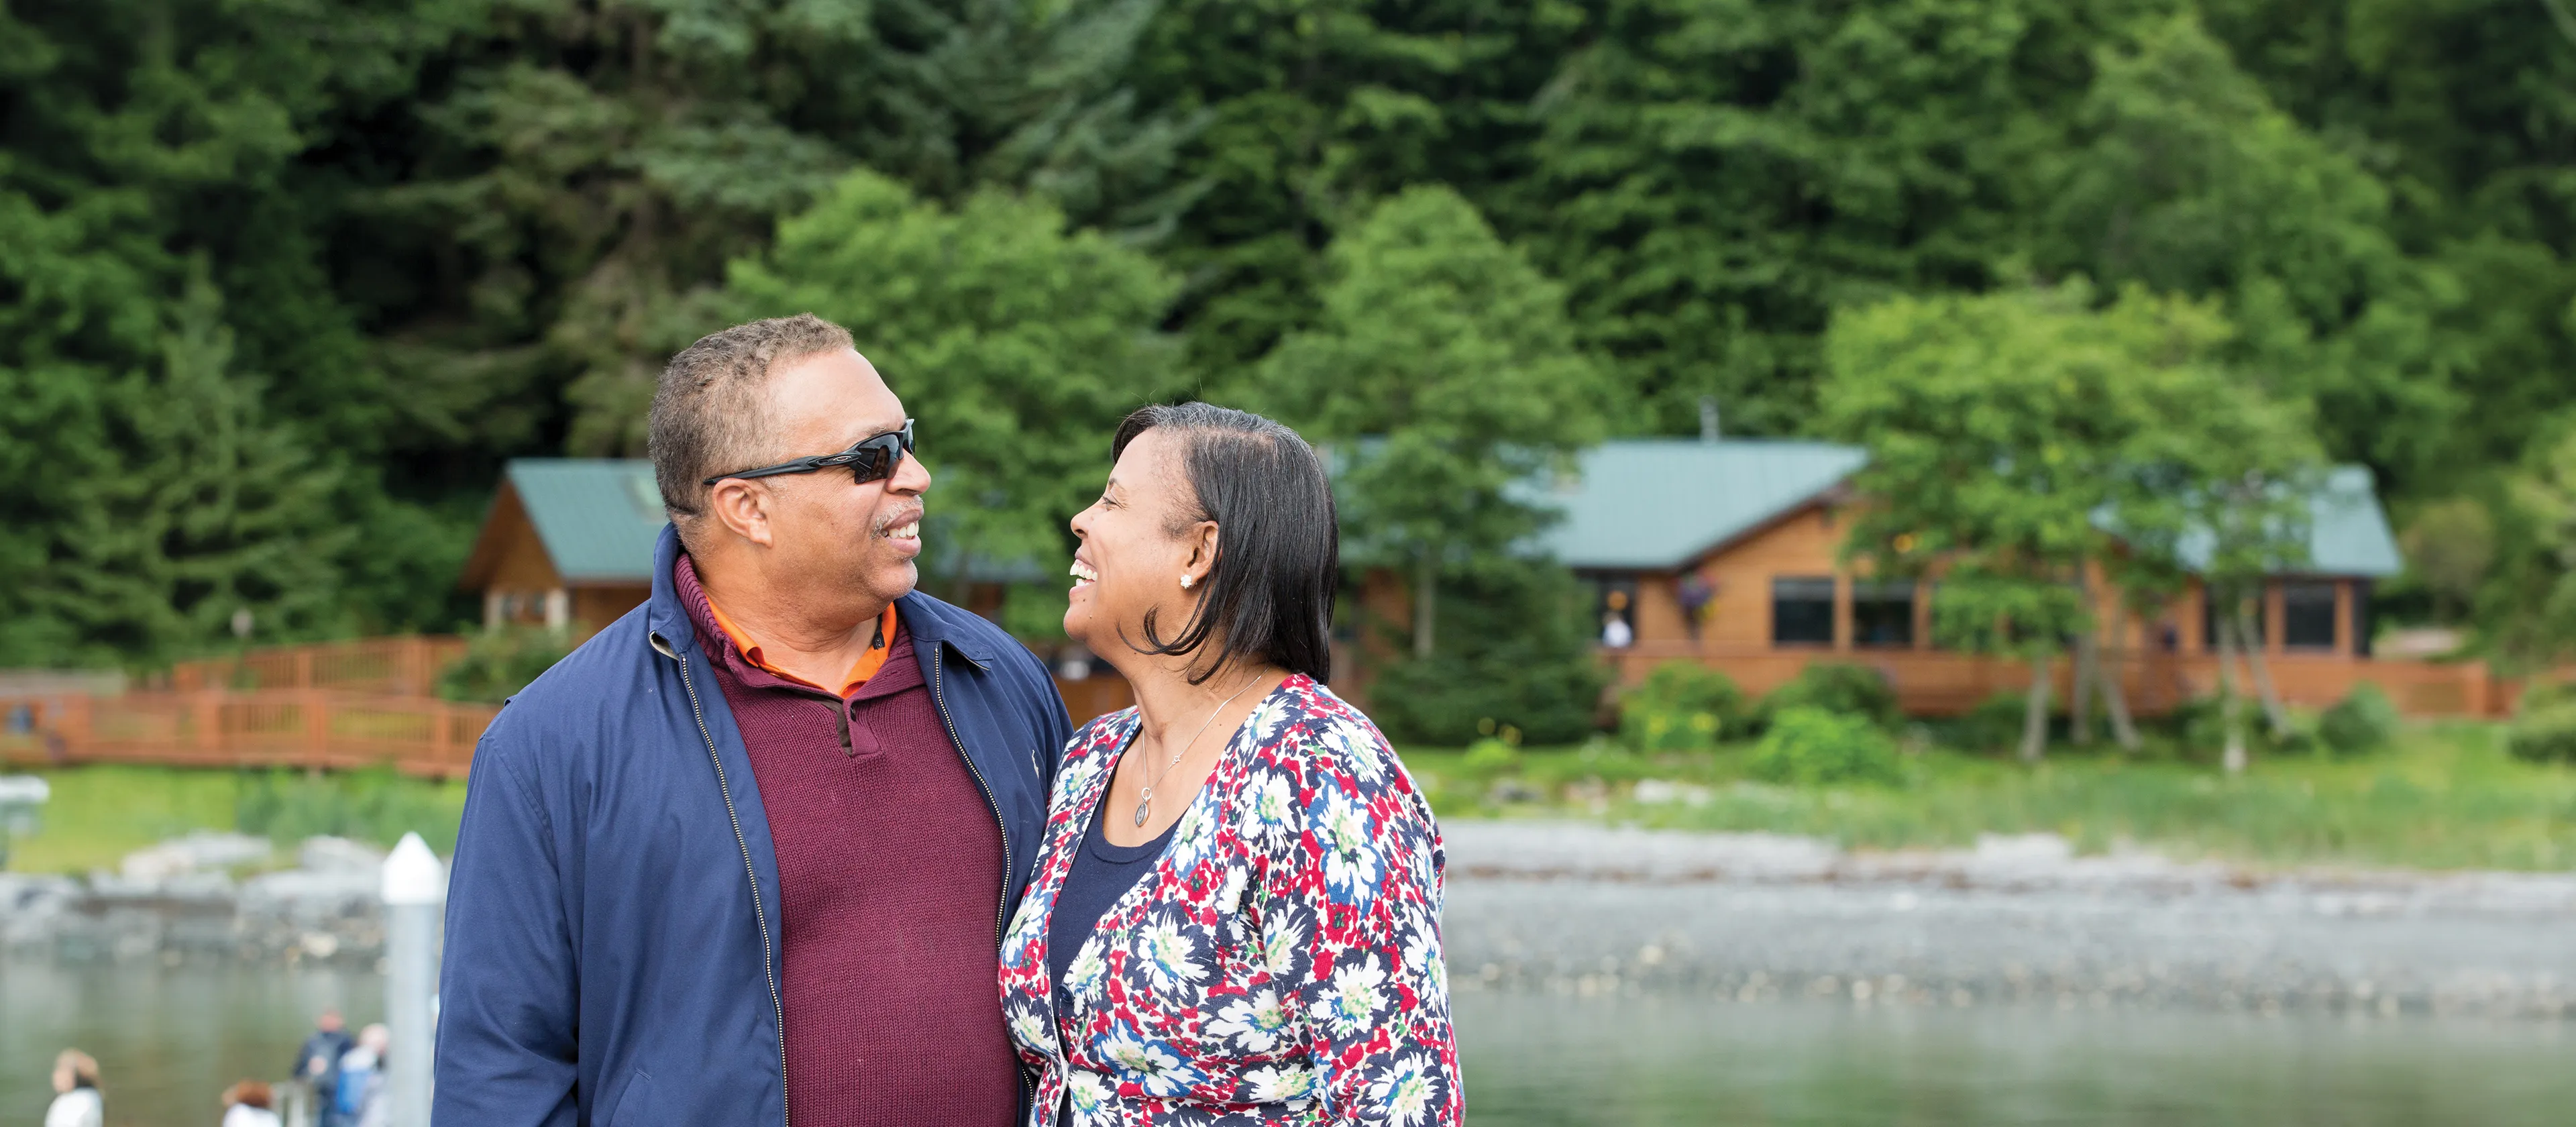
(98, 814)
(2448, 797)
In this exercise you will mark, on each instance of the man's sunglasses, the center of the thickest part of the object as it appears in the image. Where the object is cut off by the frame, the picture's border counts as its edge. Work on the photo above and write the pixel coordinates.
(873, 459)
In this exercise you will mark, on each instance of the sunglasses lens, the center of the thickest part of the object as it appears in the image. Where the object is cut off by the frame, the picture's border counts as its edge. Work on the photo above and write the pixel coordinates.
(877, 458)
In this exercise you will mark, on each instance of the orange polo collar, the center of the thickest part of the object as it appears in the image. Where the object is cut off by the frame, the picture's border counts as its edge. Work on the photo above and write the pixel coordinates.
(867, 666)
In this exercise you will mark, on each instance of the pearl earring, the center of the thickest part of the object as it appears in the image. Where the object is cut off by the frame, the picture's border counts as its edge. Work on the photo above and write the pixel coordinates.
(1185, 582)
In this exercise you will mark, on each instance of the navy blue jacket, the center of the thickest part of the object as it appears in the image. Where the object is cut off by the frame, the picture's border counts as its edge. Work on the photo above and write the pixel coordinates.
(612, 917)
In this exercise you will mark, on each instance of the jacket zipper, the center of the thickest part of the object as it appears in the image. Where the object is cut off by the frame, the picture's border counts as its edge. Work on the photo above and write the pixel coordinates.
(1001, 907)
(768, 968)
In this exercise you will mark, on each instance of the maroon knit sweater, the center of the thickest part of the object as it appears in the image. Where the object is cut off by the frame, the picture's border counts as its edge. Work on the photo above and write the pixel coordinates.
(890, 885)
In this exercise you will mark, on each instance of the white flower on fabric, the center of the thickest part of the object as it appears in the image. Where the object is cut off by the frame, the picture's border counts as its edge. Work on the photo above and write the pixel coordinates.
(1405, 1092)
(1084, 976)
(1276, 1083)
(1349, 1006)
(1169, 956)
(1422, 959)
(1352, 869)
(1282, 938)
(1267, 716)
(1090, 1091)
(1190, 839)
(1155, 1066)
(1270, 817)
(1256, 1023)
(1032, 1029)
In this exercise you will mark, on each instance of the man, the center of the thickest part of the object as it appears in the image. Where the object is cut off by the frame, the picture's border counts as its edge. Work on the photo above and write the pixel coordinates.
(318, 1062)
(747, 854)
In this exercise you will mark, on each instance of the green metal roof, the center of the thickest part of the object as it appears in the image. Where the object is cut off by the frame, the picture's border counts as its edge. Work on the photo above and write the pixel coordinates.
(1656, 504)
(598, 517)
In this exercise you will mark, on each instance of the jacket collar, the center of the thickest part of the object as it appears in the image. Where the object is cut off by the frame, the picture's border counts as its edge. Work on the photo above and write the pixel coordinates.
(932, 623)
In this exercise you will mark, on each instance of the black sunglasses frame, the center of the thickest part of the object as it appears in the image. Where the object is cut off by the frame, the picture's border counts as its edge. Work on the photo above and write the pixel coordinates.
(873, 458)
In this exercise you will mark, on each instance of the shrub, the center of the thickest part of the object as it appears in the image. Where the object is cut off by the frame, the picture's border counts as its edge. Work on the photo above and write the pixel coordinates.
(499, 663)
(1852, 690)
(1492, 756)
(1681, 706)
(1515, 648)
(1812, 746)
(2544, 735)
(2363, 721)
(2541, 696)
(1994, 725)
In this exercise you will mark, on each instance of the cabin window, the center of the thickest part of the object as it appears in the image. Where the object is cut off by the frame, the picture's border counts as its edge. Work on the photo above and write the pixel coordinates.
(1615, 610)
(1802, 610)
(2361, 617)
(1883, 614)
(2214, 607)
(2308, 616)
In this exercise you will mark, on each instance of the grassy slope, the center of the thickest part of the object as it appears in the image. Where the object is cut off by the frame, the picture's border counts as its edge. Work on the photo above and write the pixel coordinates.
(100, 813)
(2447, 798)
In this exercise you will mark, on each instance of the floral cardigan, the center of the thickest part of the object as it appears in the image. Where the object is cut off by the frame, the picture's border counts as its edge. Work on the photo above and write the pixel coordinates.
(1280, 964)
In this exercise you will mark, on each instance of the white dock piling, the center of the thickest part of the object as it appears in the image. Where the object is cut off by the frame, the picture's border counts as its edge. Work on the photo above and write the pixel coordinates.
(414, 888)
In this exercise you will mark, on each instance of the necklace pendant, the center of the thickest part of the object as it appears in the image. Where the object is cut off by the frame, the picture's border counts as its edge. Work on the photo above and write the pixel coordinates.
(1141, 807)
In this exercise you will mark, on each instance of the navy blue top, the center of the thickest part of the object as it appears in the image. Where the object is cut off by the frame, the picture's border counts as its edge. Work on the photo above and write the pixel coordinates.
(1101, 874)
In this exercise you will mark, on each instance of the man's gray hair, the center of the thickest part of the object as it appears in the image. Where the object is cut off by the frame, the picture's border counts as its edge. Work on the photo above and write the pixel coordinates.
(710, 410)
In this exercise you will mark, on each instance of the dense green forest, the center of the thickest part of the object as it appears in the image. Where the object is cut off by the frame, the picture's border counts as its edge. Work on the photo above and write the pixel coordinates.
(283, 282)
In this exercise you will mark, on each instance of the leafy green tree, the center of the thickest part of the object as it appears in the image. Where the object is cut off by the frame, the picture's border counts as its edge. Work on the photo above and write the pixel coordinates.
(1018, 343)
(1999, 429)
(1446, 376)
(1518, 654)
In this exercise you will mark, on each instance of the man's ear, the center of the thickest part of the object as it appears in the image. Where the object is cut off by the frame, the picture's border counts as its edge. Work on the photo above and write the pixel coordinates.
(742, 507)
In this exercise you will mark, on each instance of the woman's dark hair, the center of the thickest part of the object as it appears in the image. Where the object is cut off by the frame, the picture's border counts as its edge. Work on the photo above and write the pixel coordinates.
(1269, 595)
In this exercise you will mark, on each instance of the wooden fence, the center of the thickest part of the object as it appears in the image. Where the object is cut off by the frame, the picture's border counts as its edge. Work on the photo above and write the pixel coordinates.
(394, 667)
(307, 728)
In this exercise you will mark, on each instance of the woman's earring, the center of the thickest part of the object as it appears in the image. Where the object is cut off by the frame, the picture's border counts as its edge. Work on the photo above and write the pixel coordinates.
(1185, 581)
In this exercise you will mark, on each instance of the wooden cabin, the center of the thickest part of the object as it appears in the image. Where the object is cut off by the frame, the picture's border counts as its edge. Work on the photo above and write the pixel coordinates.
(567, 543)
(1726, 553)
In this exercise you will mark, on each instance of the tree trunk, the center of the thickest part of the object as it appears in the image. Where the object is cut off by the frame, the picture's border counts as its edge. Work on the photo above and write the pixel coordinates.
(2079, 704)
(2275, 715)
(2034, 715)
(2115, 700)
(1426, 587)
(2228, 719)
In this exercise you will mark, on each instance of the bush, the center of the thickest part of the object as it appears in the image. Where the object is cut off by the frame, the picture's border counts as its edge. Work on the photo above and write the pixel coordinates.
(2363, 721)
(1681, 706)
(1812, 746)
(2541, 696)
(2544, 735)
(1832, 686)
(499, 663)
(1515, 649)
(372, 805)
(1994, 725)
(1492, 756)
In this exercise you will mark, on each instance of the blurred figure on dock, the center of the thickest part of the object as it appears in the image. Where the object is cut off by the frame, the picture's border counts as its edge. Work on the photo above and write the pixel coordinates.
(318, 1064)
(76, 1098)
(360, 1099)
(249, 1104)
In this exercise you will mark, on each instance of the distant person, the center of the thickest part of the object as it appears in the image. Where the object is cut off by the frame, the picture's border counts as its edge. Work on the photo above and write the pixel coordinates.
(748, 851)
(1615, 631)
(317, 1064)
(359, 1100)
(76, 1099)
(249, 1104)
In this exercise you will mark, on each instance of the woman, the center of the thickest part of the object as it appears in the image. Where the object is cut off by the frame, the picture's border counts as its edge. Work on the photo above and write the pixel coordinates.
(76, 1099)
(1235, 915)
(246, 1104)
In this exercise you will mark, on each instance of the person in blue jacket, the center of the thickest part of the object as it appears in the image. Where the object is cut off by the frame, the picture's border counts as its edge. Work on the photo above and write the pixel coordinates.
(745, 854)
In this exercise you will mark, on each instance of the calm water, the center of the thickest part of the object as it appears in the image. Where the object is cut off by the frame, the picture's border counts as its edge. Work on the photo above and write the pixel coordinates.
(170, 1038)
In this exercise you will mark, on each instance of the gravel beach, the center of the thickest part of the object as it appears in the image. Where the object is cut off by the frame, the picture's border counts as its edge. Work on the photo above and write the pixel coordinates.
(1588, 909)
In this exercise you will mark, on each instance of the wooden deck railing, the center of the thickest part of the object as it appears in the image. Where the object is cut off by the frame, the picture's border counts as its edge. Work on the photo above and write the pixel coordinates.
(398, 667)
(308, 728)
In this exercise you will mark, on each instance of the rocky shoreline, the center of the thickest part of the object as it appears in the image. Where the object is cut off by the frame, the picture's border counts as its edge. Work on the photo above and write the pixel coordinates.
(1587, 909)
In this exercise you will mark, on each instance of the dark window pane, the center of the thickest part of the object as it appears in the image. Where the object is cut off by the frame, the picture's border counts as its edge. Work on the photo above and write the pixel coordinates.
(2308, 616)
(2361, 624)
(1802, 611)
(1883, 614)
(2212, 607)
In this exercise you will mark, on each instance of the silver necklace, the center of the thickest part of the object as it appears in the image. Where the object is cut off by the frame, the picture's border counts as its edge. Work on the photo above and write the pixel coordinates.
(1145, 802)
